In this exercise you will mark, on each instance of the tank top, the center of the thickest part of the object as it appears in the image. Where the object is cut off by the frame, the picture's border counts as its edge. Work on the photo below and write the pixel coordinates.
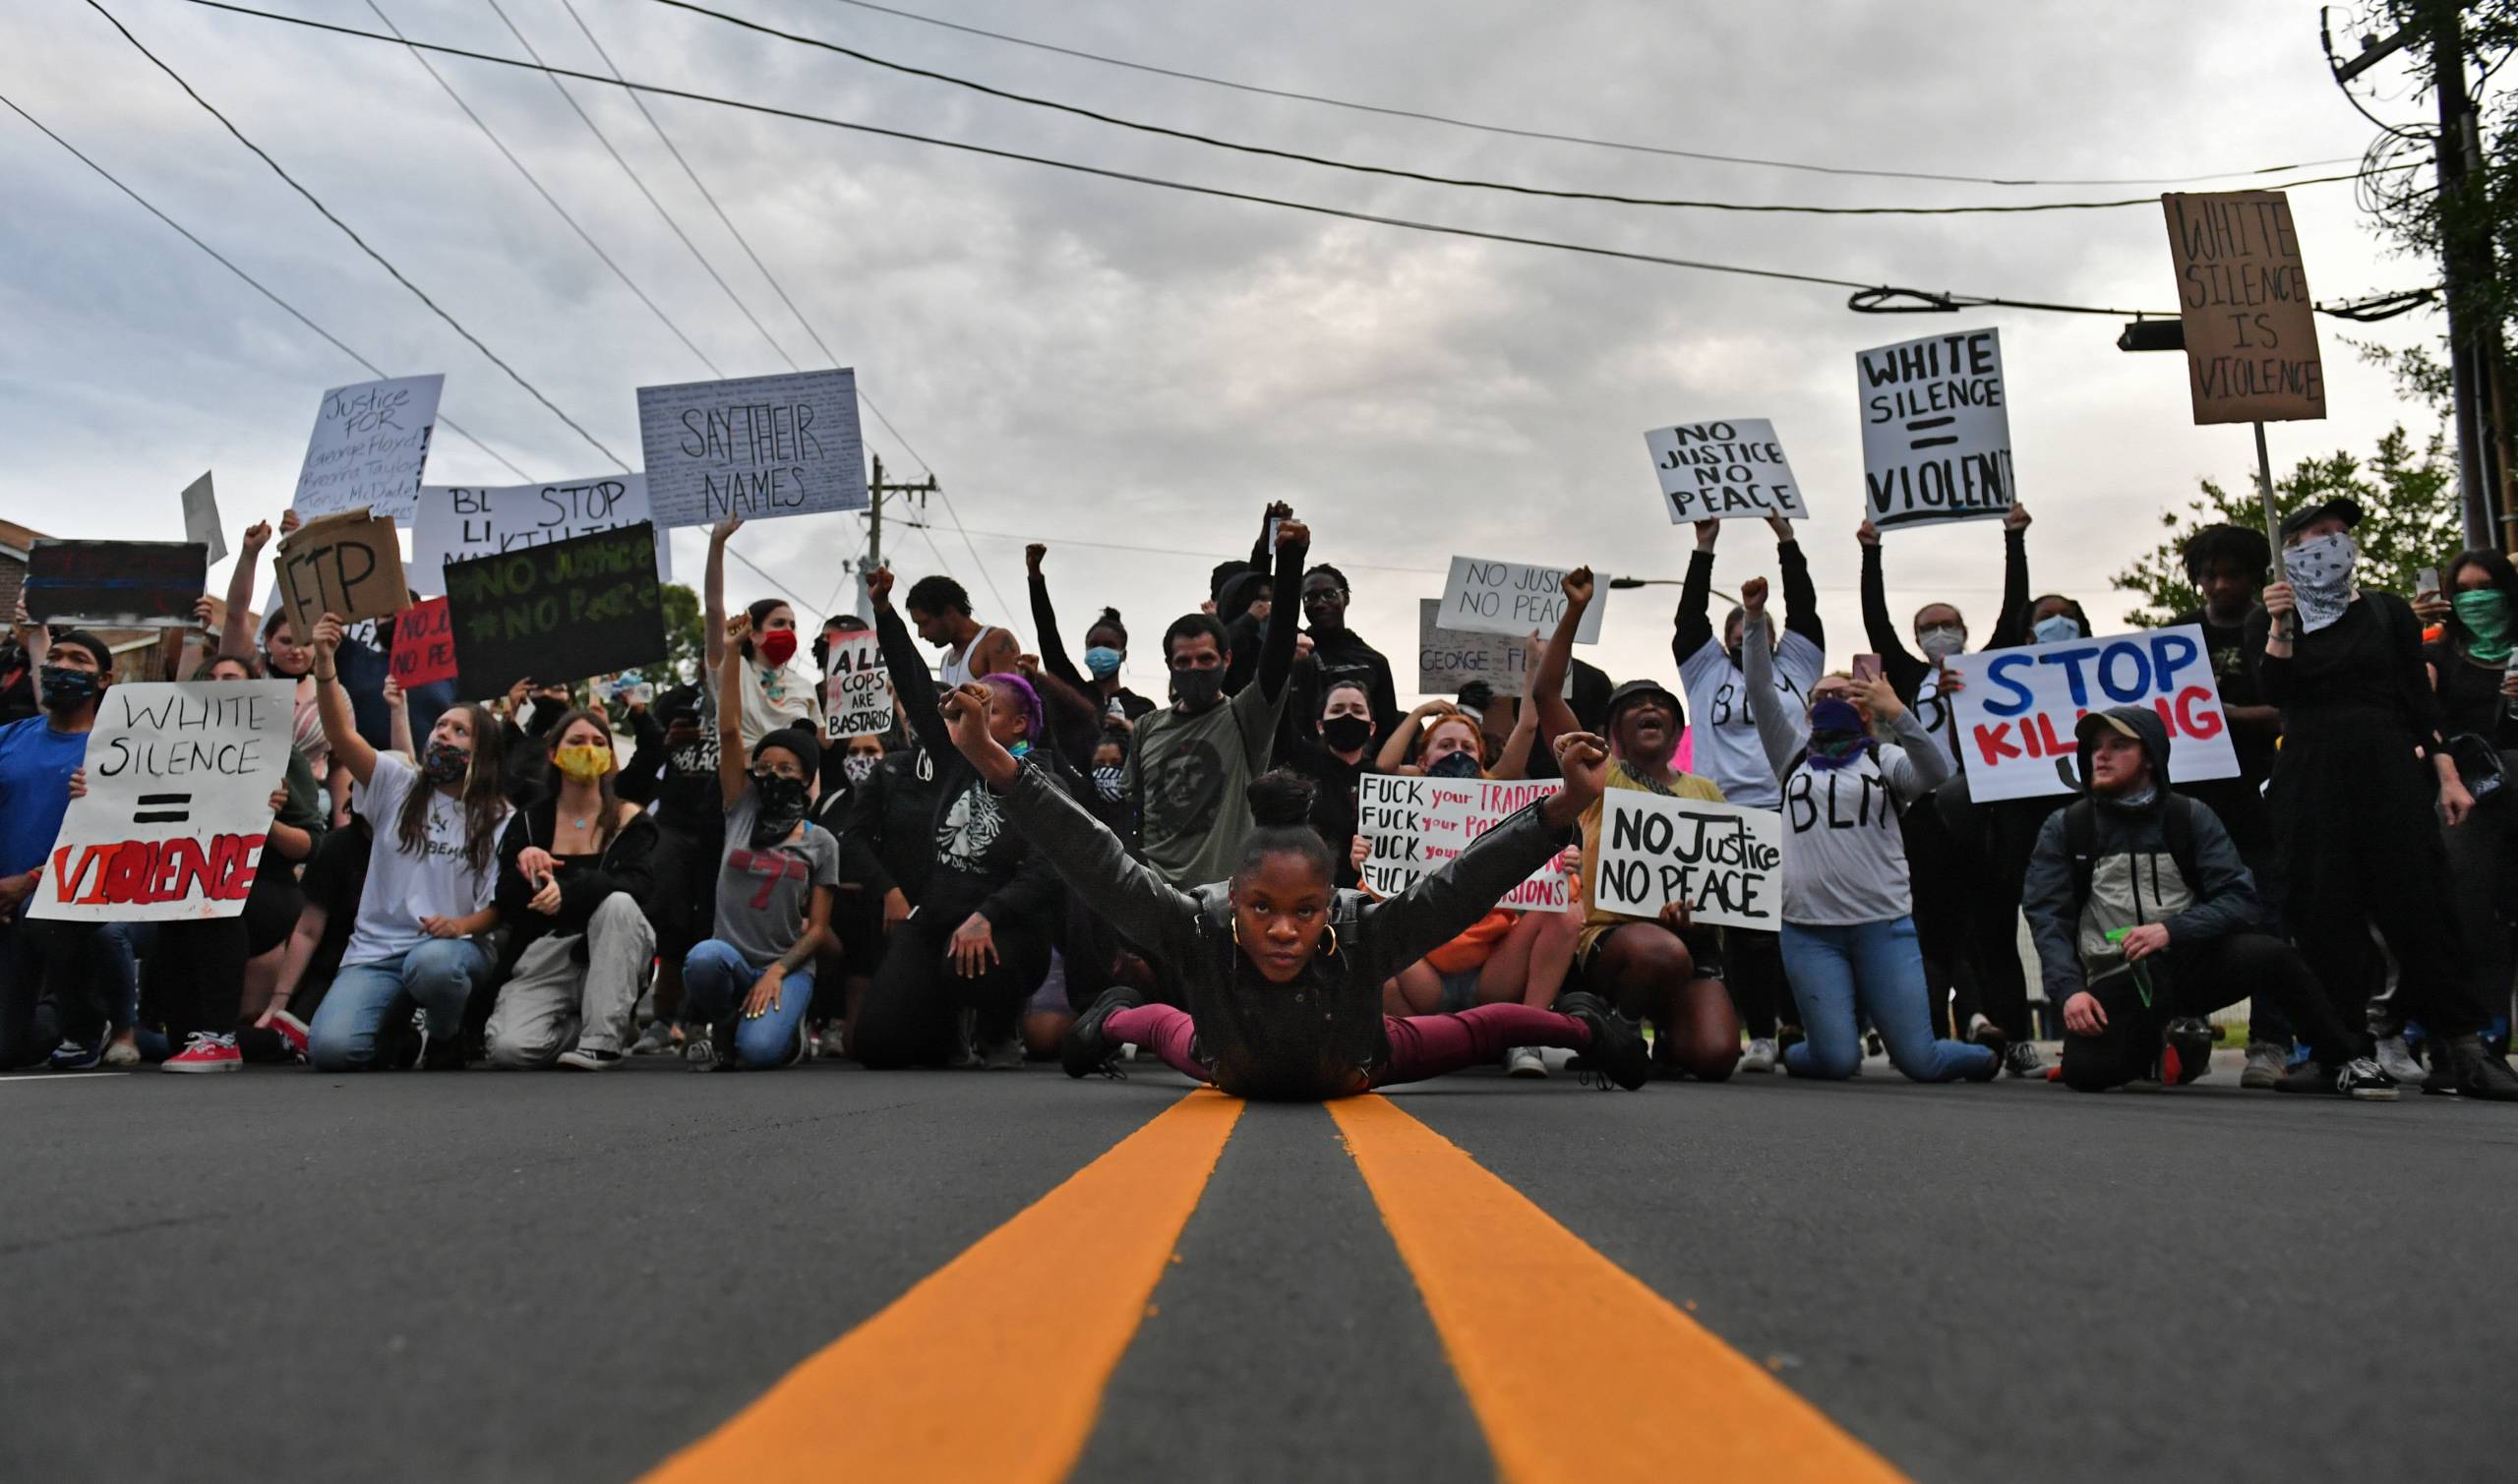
(955, 670)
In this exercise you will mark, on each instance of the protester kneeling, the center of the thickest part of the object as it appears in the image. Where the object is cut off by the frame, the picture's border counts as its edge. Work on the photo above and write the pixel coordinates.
(2144, 918)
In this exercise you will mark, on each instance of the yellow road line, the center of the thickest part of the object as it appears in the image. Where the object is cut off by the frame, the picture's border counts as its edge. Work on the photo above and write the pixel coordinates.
(1535, 1321)
(993, 1367)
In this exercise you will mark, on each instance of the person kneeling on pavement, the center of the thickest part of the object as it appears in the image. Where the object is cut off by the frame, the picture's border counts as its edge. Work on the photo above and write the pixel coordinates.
(2146, 920)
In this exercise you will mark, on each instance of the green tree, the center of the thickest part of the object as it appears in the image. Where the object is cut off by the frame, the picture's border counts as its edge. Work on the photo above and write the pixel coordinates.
(685, 646)
(2408, 497)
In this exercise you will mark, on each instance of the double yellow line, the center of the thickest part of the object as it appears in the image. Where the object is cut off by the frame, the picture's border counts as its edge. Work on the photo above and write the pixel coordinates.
(1534, 1320)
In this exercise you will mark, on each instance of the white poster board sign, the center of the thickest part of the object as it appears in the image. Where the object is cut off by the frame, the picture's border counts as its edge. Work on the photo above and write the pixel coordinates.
(1417, 824)
(756, 447)
(1724, 861)
(201, 518)
(1447, 660)
(458, 522)
(180, 777)
(1724, 471)
(1936, 430)
(2016, 714)
(369, 442)
(1510, 597)
(856, 699)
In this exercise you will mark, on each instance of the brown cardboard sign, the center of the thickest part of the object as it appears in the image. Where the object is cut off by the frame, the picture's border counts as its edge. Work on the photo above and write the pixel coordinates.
(2243, 293)
(348, 564)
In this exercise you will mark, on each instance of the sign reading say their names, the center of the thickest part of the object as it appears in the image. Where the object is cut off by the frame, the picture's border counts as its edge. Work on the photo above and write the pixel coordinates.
(589, 605)
(2243, 298)
(1724, 471)
(1446, 659)
(2016, 714)
(458, 522)
(1936, 430)
(1507, 597)
(1418, 824)
(856, 699)
(130, 584)
(754, 448)
(180, 777)
(1724, 861)
(348, 564)
(369, 446)
(423, 644)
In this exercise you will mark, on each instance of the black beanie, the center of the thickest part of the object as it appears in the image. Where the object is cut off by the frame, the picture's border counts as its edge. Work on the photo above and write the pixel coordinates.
(797, 740)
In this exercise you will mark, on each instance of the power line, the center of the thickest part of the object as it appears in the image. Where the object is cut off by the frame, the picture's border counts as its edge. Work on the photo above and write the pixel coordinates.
(553, 201)
(379, 258)
(1463, 182)
(256, 284)
(1575, 139)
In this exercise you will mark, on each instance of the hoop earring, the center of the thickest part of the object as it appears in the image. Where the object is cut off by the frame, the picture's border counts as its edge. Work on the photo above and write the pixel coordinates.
(1332, 950)
(1236, 931)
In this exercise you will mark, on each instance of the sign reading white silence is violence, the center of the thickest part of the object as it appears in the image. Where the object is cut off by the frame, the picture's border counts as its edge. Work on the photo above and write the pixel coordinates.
(1936, 430)
(1417, 824)
(1724, 861)
(179, 798)
(2016, 714)
(1507, 597)
(1724, 471)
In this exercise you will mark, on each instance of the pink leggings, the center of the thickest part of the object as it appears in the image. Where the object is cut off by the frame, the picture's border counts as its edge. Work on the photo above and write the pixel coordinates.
(1420, 1045)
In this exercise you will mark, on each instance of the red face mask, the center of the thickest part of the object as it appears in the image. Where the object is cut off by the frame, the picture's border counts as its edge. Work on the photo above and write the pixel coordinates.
(777, 646)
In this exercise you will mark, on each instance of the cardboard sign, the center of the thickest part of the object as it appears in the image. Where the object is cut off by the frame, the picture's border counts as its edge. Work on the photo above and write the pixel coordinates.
(1447, 660)
(1724, 861)
(369, 446)
(201, 518)
(589, 605)
(424, 644)
(458, 522)
(117, 584)
(348, 564)
(179, 798)
(856, 699)
(2243, 295)
(1507, 597)
(1416, 824)
(1724, 471)
(2016, 714)
(756, 447)
(1936, 430)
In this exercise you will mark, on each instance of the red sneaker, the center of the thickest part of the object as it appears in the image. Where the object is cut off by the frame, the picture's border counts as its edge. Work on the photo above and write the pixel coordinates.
(290, 1029)
(205, 1052)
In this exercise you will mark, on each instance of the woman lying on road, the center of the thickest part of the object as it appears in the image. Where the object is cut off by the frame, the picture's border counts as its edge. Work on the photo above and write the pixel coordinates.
(1284, 971)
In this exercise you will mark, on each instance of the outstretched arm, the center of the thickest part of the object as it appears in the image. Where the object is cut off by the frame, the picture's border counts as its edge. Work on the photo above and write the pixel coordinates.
(1545, 687)
(332, 705)
(712, 598)
(1442, 904)
(2012, 630)
(1800, 597)
(1284, 612)
(1694, 624)
(1783, 736)
(1045, 621)
(1901, 667)
(913, 685)
(236, 632)
(734, 769)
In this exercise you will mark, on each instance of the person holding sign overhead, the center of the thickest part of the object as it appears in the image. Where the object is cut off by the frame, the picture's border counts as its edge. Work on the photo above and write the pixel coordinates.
(766, 694)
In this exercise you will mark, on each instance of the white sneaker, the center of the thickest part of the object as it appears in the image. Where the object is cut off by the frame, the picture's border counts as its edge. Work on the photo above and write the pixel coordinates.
(1759, 1057)
(2395, 1059)
(1525, 1061)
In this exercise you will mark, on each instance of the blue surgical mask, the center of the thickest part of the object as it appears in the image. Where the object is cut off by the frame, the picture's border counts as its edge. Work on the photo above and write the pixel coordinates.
(1102, 660)
(2058, 628)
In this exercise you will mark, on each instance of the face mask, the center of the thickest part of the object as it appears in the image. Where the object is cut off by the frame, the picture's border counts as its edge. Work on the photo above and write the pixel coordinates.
(1102, 660)
(1197, 690)
(586, 764)
(444, 762)
(1940, 642)
(1837, 737)
(777, 646)
(859, 766)
(1346, 733)
(2485, 614)
(1460, 764)
(1105, 782)
(2320, 573)
(68, 690)
(782, 803)
(2056, 629)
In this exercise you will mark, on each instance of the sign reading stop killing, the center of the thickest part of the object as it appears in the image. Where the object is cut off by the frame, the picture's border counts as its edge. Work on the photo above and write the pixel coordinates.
(2020, 706)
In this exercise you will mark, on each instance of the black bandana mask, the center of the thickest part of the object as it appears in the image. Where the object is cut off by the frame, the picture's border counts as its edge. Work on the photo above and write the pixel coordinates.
(782, 801)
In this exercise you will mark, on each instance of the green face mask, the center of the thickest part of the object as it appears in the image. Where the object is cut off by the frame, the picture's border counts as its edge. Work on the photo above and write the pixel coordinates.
(2485, 611)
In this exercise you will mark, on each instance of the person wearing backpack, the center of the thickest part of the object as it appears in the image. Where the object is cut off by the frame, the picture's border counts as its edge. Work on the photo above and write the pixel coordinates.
(2146, 922)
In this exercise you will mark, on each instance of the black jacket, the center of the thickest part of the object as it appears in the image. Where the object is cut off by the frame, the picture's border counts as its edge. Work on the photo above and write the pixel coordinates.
(885, 840)
(628, 865)
(1907, 671)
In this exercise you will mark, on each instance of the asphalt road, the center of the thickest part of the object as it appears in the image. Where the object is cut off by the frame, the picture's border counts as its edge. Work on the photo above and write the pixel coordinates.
(276, 1276)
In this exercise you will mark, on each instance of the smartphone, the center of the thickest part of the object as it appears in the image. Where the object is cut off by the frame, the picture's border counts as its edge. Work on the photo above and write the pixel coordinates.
(2425, 580)
(1867, 668)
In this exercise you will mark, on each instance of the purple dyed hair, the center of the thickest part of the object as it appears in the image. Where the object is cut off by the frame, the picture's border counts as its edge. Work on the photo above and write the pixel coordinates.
(1035, 728)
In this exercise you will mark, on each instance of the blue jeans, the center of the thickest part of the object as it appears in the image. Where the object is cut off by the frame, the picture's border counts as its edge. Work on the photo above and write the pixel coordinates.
(438, 976)
(120, 947)
(714, 981)
(1870, 969)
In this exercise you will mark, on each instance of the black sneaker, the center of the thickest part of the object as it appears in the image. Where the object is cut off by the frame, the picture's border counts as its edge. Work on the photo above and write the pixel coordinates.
(2022, 1059)
(441, 1053)
(1984, 1032)
(2481, 1074)
(2363, 1080)
(1617, 1053)
(2186, 1054)
(2310, 1076)
(1086, 1051)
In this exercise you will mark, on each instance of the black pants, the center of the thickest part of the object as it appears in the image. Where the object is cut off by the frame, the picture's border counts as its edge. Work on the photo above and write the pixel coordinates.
(1753, 971)
(1994, 842)
(1942, 884)
(2240, 806)
(2187, 982)
(194, 976)
(2483, 871)
(52, 989)
(912, 1013)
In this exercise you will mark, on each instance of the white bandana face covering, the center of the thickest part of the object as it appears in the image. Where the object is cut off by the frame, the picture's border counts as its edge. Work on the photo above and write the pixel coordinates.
(2320, 573)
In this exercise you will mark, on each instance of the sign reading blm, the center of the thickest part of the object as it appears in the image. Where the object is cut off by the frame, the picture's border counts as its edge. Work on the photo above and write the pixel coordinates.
(2243, 300)
(1936, 430)
(756, 447)
(560, 612)
(1724, 471)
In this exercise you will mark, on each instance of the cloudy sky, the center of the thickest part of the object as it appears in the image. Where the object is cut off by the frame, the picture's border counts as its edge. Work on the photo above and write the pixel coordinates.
(1090, 361)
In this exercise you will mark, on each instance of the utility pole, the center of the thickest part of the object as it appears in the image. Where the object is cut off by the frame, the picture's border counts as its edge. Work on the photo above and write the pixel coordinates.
(876, 490)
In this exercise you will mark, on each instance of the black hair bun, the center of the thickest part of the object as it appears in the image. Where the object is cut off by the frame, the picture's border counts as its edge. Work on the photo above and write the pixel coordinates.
(1109, 615)
(1281, 799)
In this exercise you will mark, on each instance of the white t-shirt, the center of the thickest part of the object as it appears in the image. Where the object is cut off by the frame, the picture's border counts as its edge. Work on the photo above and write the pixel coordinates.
(403, 888)
(1937, 715)
(1726, 735)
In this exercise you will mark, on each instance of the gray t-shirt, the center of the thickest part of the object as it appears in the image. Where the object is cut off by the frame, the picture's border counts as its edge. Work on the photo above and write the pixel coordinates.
(1190, 776)
(764, 895)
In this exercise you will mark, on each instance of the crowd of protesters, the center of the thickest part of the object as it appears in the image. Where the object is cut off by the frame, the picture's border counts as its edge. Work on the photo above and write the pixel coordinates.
(1036, 863)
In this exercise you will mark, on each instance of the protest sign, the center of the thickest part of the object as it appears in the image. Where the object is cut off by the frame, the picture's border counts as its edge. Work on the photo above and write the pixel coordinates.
(348, 564)
(1416, 824)
(1724, 471)
(368, 444)
(589, 605)
(179, 797)
(856, 699)
(1724, 861)
(1936, 430)
(458, 522)
(756, 447)
(2016, 714)
(1507, 597)
(2242, 297)
(123, 584)
(1447, 660)
(201, 518)
(424, 644)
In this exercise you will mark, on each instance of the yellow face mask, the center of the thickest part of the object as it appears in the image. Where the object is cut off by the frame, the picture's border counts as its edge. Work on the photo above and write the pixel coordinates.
(586, 764)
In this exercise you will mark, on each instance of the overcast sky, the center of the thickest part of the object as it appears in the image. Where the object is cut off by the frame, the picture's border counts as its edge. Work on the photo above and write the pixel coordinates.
(1084, 360)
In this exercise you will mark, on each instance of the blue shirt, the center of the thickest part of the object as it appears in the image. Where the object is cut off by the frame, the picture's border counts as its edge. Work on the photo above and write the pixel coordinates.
(35, 764)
